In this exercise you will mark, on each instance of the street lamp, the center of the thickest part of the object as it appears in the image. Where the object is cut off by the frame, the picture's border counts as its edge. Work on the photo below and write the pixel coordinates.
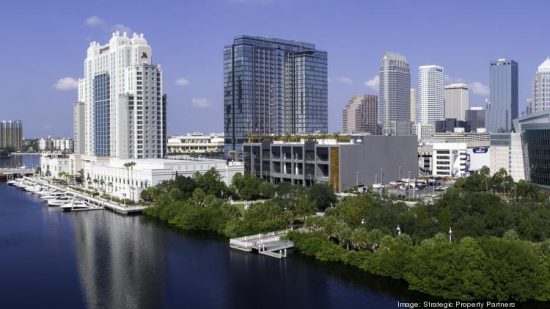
(450, 234)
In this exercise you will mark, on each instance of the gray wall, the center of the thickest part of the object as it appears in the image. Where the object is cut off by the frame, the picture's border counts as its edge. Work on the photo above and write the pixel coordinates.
(376, 152)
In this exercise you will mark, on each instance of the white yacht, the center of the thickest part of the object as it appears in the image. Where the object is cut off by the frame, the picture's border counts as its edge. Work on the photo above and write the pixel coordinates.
(75, 205)
(59, 201)
(52, 195)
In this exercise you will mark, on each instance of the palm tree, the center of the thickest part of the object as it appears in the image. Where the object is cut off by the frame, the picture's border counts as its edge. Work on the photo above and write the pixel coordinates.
(129, 168)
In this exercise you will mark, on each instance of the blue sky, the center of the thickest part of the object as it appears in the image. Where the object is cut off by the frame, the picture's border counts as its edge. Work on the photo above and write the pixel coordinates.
(44, 45)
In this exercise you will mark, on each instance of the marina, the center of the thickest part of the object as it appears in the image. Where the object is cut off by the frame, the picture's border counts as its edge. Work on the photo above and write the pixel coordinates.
(70, 199)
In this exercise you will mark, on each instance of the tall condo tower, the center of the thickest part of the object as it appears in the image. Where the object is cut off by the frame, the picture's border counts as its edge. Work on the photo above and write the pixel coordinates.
(431, 103)
(11, 134)
(273, 87)
(456, 101)
(413, 105)
(503, 99)
(541, 88)
(360, 114)
(124, 106)
(395, 93)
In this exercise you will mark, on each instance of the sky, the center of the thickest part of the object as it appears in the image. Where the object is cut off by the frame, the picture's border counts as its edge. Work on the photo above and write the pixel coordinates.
(44, 45)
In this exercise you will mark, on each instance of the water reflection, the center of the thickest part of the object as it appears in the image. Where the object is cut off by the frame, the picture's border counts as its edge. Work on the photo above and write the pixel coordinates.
(257, 281)
(120, 261)
(29, 161)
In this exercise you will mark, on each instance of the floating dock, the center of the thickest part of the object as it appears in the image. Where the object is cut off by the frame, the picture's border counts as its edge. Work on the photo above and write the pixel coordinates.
(270, 244)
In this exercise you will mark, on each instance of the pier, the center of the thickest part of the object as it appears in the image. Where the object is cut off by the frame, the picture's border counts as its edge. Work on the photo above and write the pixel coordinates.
(270, 244)
(10, 173)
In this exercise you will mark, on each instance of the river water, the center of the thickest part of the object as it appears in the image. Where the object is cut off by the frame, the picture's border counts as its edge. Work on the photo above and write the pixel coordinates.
(98, 259)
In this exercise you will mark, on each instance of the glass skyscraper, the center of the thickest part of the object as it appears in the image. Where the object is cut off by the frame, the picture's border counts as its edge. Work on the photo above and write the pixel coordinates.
(395, 93)
(273, 87)
(503, 99)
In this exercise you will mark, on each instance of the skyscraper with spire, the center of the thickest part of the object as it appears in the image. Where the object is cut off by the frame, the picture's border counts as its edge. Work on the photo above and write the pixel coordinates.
(394, 94)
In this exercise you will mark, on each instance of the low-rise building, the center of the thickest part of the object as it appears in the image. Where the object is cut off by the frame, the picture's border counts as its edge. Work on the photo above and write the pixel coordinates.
(196, 143)
(364, 160)
(449, 159)
(52, 144)
(126, 178)
(53, 165)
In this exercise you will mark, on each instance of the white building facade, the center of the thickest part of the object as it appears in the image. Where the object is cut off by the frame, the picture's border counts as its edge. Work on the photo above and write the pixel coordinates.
(541, 88)
(53, 165)
(431, 105)
(456, 101)
(124, 105)
(449, 159)
(56, 144)
(110, 175)
(196, 143)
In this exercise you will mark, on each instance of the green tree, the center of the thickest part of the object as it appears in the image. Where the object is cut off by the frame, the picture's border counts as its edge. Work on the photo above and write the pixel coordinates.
(322, 196)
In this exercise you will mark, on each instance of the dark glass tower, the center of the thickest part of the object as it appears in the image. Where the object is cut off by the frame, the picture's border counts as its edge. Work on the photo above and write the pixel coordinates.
(273, 87)
(503, 98)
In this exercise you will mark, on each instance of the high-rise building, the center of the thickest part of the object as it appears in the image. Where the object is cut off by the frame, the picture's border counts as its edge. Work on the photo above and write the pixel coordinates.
(395, 94)
(503, 98)
(125, 109)
(273, 87)
(360, 114)
(431, 105)
(413, 105)
(456, 101)
(475, 116)
(11, 134)
(541, 88)
(79, 114)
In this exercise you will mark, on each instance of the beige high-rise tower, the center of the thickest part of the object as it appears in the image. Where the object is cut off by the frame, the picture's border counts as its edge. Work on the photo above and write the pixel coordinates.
(360, 114)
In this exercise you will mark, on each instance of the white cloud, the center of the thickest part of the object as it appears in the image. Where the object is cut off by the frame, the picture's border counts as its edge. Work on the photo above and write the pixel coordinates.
(182, 82)
(450, 80)
(343, 80)
(121, 28)
(479, 89)
(66, 83)
(94, 21)
(373, 83)
(200, 102)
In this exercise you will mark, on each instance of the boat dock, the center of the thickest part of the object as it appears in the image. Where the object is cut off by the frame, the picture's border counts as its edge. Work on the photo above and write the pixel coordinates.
(10, 173)
(103, 204)
(270, 244)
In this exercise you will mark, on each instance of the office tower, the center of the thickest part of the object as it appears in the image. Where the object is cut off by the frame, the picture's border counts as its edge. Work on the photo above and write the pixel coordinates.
(413, 105)
(431, 105)
(456, 101)
(394, 95)
(79, 114)
(361, 114)
(273, 87)
(125, 110)
(475, 116)
(541, 88)
(11, 134)
(503, 99)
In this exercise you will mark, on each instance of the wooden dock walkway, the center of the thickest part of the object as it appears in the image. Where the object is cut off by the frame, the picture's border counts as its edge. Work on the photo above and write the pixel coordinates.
(270, 244)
